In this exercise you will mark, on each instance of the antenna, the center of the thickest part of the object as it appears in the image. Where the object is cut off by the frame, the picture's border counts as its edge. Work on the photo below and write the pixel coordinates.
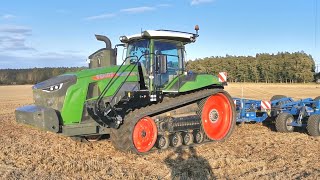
(315, 22)
(196, 27)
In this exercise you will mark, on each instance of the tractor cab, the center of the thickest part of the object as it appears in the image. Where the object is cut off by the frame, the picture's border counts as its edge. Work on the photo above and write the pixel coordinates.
(160, 54)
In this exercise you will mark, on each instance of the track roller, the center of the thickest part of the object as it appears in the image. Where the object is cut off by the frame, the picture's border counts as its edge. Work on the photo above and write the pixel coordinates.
(176, 139)
(163, 142)
(187, 138)
(198, 136)
(93, 138)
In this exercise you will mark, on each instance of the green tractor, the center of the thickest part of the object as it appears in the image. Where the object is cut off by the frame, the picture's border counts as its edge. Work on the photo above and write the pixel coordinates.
(135, 104)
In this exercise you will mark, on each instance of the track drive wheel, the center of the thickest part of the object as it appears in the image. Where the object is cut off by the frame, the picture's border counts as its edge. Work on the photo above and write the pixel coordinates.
(176, 140)
(283, 122)
(163, 142)
(217, 114)
(313, 125)
(135, 135)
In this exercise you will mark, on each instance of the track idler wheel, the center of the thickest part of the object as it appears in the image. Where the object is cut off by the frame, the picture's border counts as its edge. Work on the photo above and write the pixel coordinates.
(144, 134)
(188, 138)
(163, 142)
(217, 114)
(176, 140)
(198, 137)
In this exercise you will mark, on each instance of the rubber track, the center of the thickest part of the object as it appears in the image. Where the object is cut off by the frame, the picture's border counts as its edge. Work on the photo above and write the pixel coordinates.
(199, 113)
(122, 138)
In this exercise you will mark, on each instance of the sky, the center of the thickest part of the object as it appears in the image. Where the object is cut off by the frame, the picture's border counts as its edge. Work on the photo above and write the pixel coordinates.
(37, 33)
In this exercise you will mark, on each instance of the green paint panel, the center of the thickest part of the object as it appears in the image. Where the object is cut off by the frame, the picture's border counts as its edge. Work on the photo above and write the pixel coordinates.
(202, 80)
(76, 95)
(171, 84)
(182, 84)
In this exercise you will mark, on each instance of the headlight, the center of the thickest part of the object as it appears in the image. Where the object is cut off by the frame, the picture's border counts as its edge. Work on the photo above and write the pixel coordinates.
(123, 39)
(53, 88)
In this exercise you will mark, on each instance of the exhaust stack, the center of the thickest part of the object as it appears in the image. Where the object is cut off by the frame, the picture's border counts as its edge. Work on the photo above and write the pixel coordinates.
(103, 57)
(105, 40)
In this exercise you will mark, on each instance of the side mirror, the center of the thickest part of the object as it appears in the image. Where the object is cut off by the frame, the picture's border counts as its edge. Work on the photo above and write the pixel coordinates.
(115, 50)
(163, 67)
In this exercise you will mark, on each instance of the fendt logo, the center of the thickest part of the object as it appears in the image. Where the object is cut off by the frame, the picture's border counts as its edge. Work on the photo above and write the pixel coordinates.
(111, 75)
(103, 76)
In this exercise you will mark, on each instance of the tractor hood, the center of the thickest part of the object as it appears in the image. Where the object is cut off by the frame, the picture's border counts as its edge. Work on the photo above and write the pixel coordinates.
(55, 81)
(96, 73)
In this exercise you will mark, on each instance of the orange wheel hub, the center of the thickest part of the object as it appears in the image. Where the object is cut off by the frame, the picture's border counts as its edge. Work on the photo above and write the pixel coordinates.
(145, 134)
(217, 116)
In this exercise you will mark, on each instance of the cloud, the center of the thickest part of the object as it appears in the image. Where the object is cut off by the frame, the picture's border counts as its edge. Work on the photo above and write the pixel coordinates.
(196, 2)
(15, 53)
(138, 9)
(15, 29)
(134, 10)
(13, 38)
(48, 59)
(7, 16)
(164, 5)
(101, 16)
(11, 43)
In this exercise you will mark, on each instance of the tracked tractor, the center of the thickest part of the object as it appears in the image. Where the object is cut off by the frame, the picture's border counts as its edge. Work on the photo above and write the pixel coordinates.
(148, 102)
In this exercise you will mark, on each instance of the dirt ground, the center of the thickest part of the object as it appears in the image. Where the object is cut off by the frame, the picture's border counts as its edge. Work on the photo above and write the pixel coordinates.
(254, 151)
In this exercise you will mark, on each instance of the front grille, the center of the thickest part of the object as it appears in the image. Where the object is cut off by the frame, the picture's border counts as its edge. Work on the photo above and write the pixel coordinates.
(53, 99)
(48, 99)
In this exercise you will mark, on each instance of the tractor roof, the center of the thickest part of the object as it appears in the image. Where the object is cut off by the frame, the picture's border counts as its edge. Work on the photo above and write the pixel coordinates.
(184, 37)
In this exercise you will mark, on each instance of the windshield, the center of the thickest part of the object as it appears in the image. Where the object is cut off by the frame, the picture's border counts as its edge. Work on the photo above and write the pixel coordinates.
(172, 51)
(160, 59)
(139, 49)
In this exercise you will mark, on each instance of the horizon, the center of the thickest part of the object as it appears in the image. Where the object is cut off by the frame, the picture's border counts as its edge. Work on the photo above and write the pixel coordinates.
(59, 34)
(196, 59)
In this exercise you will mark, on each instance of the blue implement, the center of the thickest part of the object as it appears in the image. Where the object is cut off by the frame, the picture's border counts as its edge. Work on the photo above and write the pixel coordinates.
(249, 110)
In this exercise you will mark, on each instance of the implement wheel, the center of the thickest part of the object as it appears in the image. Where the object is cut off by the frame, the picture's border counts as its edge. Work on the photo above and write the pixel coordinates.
(313, 125)
(274, 110)
(283, 122)
(276, 97)
(217, 114)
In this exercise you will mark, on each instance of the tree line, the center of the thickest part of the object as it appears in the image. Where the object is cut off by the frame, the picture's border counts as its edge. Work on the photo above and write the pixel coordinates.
(32, 76)
(283, 67)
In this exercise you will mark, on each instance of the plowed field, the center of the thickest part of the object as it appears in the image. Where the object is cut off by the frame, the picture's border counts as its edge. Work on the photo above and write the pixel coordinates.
(254, 151)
